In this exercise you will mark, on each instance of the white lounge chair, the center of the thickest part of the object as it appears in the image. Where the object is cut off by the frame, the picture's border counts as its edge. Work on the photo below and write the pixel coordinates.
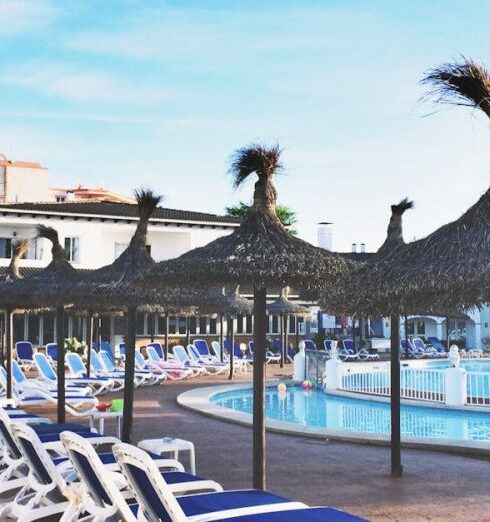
(156, 501)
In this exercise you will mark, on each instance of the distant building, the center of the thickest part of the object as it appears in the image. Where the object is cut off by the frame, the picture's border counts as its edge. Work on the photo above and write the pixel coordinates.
(95, 226)
(23, 181)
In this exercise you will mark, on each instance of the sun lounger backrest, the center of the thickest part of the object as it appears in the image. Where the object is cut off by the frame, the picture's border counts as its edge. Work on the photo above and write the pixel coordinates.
(139, 360)
(147, 483)
(309, 344)
(277, 344)
(24, 350)
(96, 363)
(193, 352)
(152, 354)
(107, 361)
(348, 345)
(251, 347)
(327, 344)
(17, 373)
(202, 347)
(44, 367)
(6, 435)
(418, 343)
(52, 351)
(157, 347)
(75, 364)
(215, 346)
(181, 354)
(94, 476)
(37, 457)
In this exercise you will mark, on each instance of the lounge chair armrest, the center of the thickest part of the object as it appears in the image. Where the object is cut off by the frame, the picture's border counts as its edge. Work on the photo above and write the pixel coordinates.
(169, 465)
(183, 488)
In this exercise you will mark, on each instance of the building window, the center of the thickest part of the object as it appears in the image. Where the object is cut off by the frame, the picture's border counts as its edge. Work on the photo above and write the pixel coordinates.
(192, 325)
(172, 324)
(292, 324)
(140, 324)
(248, 324)
(275, 325)
(72, 249)
(212, 326)
(239, 324)
(203, 322)
(60, 199)
(5, 247)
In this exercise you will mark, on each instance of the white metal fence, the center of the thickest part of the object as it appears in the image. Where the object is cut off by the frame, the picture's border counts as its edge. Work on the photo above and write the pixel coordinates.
(478, 388)
(375, 379)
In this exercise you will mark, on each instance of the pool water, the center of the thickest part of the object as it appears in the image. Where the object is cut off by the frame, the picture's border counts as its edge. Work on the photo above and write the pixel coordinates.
(318, 409)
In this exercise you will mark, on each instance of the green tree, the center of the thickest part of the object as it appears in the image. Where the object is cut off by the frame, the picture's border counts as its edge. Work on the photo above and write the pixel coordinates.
(286, 216)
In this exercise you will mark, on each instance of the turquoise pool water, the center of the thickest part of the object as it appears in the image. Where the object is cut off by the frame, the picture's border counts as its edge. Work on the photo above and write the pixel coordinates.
(320, 410)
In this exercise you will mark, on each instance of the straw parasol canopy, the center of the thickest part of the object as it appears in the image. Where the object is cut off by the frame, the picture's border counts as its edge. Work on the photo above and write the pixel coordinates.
(449, 270)
(112, 285)
(261, 253)
(226, 301)
(232, 304)
(352, 295)
(46, 288)
(283, 306)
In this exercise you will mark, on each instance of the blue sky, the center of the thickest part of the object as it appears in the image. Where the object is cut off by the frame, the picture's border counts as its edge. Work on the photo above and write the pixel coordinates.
(126, 93)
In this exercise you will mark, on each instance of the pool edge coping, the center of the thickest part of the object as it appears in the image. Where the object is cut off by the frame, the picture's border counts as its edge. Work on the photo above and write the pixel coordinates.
(198, 400)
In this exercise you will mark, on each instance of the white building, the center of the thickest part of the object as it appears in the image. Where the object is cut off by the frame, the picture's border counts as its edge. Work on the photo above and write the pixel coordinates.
(93, 234)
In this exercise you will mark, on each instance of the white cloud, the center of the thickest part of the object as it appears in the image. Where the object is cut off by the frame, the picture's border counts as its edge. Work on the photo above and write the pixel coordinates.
(20, 16)
(62, 81)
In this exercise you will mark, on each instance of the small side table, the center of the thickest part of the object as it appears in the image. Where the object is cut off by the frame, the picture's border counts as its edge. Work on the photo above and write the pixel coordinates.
(101, 416)
(170, 445)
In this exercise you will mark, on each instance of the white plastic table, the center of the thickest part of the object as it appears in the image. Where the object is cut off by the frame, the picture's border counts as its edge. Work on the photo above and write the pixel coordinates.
(101, 416)
(170, 445)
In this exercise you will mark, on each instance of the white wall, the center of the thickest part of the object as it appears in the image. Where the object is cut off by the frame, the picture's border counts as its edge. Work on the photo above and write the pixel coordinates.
(97, 239)
(27, 184)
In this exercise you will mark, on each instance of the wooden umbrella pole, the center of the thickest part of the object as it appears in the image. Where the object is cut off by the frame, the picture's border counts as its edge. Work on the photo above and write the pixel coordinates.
(127, 426)
(260, 332)
(396, 465)
(231, 337)
(221, 338)
(2, 339)
(406, 336)
(99, 334)
(60, 369)
(153, 327)
(165, 348)
(9, 316)
(281, 318)
(90, 336)
(286, 337)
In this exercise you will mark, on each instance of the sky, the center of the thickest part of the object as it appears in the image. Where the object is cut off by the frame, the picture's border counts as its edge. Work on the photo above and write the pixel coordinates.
(131, 93)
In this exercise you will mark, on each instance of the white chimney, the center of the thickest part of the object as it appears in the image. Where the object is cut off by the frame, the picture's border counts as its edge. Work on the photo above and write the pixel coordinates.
(363, 248)
(325, 236)
(354, 248)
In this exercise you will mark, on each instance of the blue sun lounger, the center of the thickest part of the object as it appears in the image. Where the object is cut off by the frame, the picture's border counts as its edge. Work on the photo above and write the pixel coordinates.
(157, 501)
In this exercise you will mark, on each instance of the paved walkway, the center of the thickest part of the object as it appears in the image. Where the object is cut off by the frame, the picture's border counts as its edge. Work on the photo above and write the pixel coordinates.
(354, 477)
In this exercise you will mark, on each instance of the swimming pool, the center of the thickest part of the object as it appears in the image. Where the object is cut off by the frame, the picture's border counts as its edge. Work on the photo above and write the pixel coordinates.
(316, 409)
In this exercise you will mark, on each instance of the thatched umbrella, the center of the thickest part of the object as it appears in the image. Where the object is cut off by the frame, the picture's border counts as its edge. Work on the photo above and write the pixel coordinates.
(285, 308)
(47, 287)
(260, 253)
(232, 304)
(13, 274)
(350, 296)
(449, 269)
(112, 286)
